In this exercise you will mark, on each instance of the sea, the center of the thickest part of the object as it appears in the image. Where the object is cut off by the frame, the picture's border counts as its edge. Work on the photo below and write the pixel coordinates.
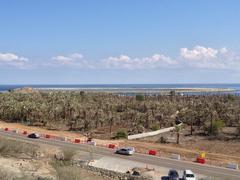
(125, 87)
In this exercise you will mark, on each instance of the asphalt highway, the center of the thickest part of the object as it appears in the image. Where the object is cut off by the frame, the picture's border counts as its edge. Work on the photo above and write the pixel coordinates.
(219, 172)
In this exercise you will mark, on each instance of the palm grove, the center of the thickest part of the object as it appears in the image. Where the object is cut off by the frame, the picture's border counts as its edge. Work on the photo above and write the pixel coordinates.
(83, 112)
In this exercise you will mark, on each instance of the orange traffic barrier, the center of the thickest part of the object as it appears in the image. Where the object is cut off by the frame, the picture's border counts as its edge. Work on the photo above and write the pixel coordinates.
(152, 152)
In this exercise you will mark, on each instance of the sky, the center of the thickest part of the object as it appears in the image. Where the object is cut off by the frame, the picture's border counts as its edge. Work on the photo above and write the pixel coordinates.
(119, 42)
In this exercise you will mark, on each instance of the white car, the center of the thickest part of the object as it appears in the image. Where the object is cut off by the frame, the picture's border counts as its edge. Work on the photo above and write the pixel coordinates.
(126, 151)
(188, 175)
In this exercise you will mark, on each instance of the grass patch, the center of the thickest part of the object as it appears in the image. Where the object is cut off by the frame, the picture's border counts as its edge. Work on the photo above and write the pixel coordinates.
(9, 147)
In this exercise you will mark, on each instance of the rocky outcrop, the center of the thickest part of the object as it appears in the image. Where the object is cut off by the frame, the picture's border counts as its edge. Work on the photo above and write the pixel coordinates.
(112, 174)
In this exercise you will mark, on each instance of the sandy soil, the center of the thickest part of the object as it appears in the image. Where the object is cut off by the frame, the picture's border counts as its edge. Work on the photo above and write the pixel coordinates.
(13, 168)
(67, 134)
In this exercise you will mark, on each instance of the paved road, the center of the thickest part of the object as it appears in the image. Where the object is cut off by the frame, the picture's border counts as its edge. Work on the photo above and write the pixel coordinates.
(222, 173)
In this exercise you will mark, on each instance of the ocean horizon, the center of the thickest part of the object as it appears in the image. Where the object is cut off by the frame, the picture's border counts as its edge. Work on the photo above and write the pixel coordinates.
(102, 87)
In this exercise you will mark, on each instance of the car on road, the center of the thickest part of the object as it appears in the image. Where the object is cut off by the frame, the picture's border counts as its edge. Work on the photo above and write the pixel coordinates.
(173, 174)
(126, 151)
(34, 135)
(188, 175)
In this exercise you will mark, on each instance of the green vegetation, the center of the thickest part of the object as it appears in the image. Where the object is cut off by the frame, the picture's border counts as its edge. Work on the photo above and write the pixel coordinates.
(155, 127)
(82, 111)
(214, 127)
(121, 134)
(140, 97)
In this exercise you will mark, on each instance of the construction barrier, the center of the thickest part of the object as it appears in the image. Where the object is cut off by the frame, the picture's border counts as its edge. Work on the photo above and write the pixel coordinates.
(6, 129)
(175, 156)
(200, 160)
(24, 132)
(202, 155)
(152, 152)
(15, 131)
(112, 146)
(47, 136)
(92, 143)
(232, 166)
(77, 141)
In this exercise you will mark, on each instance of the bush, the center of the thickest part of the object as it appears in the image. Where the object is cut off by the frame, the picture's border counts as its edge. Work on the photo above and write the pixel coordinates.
(68, 154)
(155, 127)
(140, 97)
(216, 128)
(121, 134)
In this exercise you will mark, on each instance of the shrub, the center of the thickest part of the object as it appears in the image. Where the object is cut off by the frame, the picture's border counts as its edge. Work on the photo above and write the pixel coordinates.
(155, 127)
(68, 154)
(140, 97)
(121, 134)
(216, 128)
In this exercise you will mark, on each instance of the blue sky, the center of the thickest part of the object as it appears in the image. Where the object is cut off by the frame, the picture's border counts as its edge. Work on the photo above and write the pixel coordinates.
(122, 41)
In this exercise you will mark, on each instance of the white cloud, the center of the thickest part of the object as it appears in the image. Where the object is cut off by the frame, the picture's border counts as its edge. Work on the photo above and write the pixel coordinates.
(13, 59)
(126, 62)
(198, 57)
(198, 52)
(206, 57)
(72, 60)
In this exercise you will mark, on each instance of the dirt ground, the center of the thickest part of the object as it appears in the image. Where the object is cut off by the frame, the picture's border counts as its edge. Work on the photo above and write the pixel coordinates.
(67, 134)
(218, 152)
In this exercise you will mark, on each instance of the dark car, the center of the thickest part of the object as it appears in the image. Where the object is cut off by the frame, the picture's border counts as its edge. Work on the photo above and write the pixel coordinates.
(173, 175)
(34, 135)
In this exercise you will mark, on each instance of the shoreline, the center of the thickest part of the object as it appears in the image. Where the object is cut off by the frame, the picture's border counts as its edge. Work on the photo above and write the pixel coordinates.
(129, 90)
(141, 90)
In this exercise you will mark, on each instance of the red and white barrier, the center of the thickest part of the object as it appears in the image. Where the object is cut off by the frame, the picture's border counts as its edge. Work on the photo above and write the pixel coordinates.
(175, 156)
(200, 160)
(232, 166)
(47, 136)
(77, 140)
(152, 152)
(111, 146)
(15, 131)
